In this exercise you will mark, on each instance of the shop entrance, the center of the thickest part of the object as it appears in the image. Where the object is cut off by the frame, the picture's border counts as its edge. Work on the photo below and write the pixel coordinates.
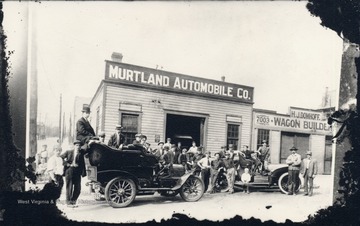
(185, 129)
(288, 140)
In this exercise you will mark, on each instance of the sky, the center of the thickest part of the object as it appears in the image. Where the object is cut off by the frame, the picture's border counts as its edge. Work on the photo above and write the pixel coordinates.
(276, 47)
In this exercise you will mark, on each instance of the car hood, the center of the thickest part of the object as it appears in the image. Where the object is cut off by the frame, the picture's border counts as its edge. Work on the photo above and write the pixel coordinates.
(273, 167)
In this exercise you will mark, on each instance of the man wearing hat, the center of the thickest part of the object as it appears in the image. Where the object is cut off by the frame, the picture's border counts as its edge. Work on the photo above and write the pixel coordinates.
(230, 150)
(294, 162)
(74, 168)
(137, 138)
(166, 162)
(229, 165)
(264, 155)
(143, 139)
(204, 165)
(84, 131)
(222, 151)
(117, 138)
(309, 170)
(158, 152)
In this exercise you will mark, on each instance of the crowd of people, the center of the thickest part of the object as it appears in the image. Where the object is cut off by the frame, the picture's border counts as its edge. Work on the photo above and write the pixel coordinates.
(71, 165)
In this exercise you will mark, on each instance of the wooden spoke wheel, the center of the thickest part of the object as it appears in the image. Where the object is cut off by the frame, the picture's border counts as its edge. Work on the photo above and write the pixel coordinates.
(192, 190)
(120, 192)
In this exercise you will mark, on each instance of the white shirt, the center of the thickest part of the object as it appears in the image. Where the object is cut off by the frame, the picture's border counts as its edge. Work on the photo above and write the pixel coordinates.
(245, 177)
(55, 164)
(307, 163)
(205, 162)
(74, 161)
(167, 144)
(193, 149)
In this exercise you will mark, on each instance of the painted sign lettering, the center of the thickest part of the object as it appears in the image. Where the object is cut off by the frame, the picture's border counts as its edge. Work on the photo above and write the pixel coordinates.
(147, 77)
(307, 114)
(277, 121)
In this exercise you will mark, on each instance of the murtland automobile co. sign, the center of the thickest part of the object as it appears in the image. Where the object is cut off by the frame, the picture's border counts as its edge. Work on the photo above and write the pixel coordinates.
(147, 77)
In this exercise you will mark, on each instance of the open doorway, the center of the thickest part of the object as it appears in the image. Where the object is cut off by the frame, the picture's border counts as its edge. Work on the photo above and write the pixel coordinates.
(185, 129)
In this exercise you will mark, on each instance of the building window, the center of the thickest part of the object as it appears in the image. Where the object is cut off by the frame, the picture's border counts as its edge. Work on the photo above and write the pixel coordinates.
(233, 132)
(263, 134)
(130, 123)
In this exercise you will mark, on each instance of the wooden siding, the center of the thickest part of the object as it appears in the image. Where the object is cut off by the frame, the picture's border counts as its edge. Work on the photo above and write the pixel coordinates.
(96, 103)
(317, 146)
(153, 113)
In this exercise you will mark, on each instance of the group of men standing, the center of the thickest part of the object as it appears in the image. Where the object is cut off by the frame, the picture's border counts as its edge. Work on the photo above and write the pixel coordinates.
(307, 167)
(210, 168)
(71, 164)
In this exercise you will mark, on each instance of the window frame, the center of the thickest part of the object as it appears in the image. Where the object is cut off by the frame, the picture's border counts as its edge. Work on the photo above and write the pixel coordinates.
(138, 114)
(238, 139)
(259, 141)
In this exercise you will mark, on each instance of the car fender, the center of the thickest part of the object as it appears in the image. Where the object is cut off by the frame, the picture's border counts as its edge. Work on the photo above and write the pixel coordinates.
(183, 179)
(106, 175)
(277, 170)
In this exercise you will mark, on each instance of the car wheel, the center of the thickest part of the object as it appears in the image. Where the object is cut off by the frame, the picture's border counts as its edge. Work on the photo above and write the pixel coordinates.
(192, 190)
(283, 183)
(120, 192)
(169, 193)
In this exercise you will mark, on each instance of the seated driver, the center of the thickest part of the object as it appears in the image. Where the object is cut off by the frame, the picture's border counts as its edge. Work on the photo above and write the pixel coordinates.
(166, 162)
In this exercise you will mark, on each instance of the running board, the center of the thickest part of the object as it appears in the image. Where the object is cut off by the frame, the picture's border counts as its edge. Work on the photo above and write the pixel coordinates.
(155, 189)
(253, 184)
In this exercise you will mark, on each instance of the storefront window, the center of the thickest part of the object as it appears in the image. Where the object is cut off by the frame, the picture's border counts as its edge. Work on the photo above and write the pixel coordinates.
(233, 135)
(263, 134)
(130, 123)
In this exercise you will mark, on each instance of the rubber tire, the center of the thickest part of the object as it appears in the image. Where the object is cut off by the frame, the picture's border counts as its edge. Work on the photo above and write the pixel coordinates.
(285, 176)
(123, 204)
(201, 190)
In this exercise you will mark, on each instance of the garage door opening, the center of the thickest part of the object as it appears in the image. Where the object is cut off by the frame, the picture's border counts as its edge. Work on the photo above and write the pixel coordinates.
(288, 140)
(185, 129)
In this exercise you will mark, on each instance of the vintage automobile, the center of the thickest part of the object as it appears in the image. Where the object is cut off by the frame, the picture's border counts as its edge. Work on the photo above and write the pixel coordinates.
(277, 176)
(121, 175)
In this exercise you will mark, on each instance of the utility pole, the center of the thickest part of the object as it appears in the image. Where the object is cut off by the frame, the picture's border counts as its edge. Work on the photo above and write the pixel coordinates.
(70, 126)
(33, 83)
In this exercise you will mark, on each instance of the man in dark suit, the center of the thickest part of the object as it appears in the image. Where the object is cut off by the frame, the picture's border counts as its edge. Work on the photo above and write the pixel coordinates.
(117, 138)
(167, 161)
(74, 168)
(309, 170)
(84, 131)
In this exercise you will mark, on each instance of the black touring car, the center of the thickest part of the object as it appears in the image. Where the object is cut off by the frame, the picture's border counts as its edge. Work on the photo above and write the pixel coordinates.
(121, 175)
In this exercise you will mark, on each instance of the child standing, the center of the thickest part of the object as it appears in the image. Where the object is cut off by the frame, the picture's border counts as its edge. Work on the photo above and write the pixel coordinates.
(245, 178)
